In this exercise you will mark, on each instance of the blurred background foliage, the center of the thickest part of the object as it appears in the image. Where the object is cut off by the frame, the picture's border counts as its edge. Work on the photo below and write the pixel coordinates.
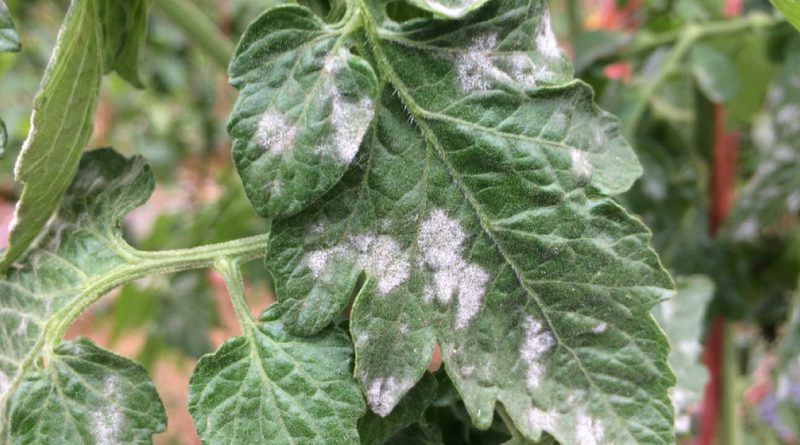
(693, 81)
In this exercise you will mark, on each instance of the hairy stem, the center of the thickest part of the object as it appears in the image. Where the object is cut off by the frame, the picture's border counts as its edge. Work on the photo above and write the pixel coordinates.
(233, 281)
(199, 28)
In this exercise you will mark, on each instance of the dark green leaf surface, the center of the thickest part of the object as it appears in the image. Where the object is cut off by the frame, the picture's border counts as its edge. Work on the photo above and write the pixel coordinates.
(714, 72)
(418, 434)
(478, 212)
(124, 25)
(375, 430)
(271, 387)
(305, 104)
(786, 375)
(82, 243)
(87, 395)
(61, 124)
(9, 39)
(790, 9)
(682, 319)
(774, 188)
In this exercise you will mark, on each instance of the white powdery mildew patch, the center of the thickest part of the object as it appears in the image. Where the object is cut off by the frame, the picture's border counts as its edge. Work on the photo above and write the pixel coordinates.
(381, 256)
(441, 244)
(534, 346)
(541, 420)
(588, 431)
(274, 133)
(477, 67)
(384, 394)
(546, 41)
(747, 229)
(5, 382)
(108, 423)
(789, 116)
(580, 163)
(600, 328)
(349, 119)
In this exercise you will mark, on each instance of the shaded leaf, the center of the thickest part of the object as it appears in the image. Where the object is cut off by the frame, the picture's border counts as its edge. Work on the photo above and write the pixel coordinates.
(478, 214)
(305, 103)
(790, 9)
(715, 73)
(82, 244)
(124, 24)
(271, 387)
(50, 154)
(682, 319)
(9, 39)
(418, 434)
(87, 395)
(375, 430)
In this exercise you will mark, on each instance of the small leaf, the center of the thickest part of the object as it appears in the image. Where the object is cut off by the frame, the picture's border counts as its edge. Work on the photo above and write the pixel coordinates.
(790, 9)
(3, 137)
(61, 125)
(9, 39)
(418, 434)
(714, 72)
(87, 395)
(304, 107)
(83, 243)
(682, 319)
(375, 430)
(449, 9)
(124, 25)
(271, 387)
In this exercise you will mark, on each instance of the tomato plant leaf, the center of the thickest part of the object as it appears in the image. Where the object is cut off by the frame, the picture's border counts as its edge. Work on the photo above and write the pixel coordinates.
(9, 39)
(714, 72)
(449, 9)
(682, 318)
(305, 103)
(785, 413)
(774, 188)
(790, 9)
(61, 124)
(270, 386)
(82, 249)
(478, 214)
(90, 395)
(376, 430)
(124, 25)
(418, 434)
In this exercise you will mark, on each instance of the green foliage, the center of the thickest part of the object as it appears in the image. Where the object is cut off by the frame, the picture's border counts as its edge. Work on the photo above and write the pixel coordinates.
(790, 9)
(9, 40)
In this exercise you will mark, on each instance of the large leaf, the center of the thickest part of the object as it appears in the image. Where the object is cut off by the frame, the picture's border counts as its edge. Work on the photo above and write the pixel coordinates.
(682, 319)
(9, 39)
(304, 107)
(87, 395)
(478, 214)
(124, 24)
(774, 188)
(61, 124)
(790, 9)
(271, 387)
(82, 245)
(376, 430)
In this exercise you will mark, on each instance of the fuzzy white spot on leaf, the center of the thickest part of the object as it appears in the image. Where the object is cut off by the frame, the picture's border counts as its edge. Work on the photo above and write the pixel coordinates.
(108, 423)
(534, 346)
(384, 394)
(588, 431)
(546, 41)
(580, 163)
(274, 132)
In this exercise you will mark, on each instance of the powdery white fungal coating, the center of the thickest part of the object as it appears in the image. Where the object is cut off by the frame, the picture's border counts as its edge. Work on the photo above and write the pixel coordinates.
(538, 419)
(588, 431)
(349, 119)
(441, 244)
(545, 40)
(4, 382)
(580, 163)
(747, 229)
(477, 67)
(788, 114)
(449, 11)
(108, 423)
(600, 328)
(534, 346)
(383, 394)
(274, 133)
(381, 256)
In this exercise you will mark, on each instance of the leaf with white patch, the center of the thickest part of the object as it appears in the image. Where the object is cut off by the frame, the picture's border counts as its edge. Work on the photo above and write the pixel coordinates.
(306, 102)
(478, 214)
(774, 189)
(682, 319)
(271, 387)
(86, 395)
(82, 246)
(376, 430)
(9, 39)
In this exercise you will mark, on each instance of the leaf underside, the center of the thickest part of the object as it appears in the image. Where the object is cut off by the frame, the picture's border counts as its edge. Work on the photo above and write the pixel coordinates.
(82, 242)
(477, 213)
(271, 387)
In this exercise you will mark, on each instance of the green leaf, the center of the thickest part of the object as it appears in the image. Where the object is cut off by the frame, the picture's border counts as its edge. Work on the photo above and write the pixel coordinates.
(786, 375)
(375, 430)
(87, 395)
(715, 73)
(418, 434)
(449, 9)
(790, 9)
(774, 188)
(478, 214)
(82, 247)
(3, 137)
(61, 124)
(271, 387)
(9, 39)
(305, 103)
(124, 25)
(682, 319)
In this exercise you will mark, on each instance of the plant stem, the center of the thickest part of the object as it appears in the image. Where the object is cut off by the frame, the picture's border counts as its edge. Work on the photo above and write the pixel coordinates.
(233, 281)
(199, 28)
(730, 433)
